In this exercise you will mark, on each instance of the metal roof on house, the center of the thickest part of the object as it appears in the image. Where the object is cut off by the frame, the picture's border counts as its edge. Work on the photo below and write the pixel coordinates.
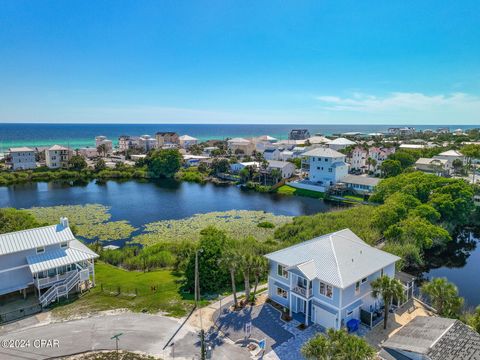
(57, 147)
(51, 259)
(187, 137)
(437, 338)
(451, 153)
(238, 140)
(278, 164)
(341, 141)
(429, 161)
(33, 238)
(360, 180)
(324, 152)
(20, 149)
(340, 258)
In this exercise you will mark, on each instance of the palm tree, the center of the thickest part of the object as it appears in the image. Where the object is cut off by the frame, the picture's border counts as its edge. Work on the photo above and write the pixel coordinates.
(102, 149)
(371, 163)
(444, 297)
(388, 289)
(259, 268)
(337, 344)
(276, 174)
(231, 261)
(247, 261)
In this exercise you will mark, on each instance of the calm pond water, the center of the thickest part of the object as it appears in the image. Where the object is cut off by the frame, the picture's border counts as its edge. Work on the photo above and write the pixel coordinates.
(460, 264)
(145, 202)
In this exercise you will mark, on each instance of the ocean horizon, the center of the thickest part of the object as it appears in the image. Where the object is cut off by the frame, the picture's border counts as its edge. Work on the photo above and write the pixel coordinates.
(83, 135)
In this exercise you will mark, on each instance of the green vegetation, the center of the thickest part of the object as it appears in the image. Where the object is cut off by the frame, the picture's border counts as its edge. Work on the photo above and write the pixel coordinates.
(473, 319)
(191, 174)
(290, 190)
(137, 291)
(16, 220)
(444, 297)
(302, 228)
(337, 344)
(163, 163)
(236, 223)
(90, 221)
(123, 172)
(417, 211)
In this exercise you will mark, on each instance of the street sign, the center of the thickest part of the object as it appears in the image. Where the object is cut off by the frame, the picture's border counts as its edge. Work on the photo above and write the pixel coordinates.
(116, 336)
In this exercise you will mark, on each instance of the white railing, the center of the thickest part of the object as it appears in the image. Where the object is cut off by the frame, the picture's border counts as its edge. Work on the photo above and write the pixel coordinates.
(60, 289)
(301, 291)
(41, 283)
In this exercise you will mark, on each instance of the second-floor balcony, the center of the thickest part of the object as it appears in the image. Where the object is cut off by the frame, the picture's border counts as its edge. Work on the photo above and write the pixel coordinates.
(300, 290)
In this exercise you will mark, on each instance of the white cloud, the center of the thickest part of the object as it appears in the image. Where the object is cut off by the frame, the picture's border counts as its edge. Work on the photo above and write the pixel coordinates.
(456, 103)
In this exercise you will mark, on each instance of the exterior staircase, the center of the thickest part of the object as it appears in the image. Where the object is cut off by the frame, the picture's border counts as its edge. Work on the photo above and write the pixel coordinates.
(60, 289)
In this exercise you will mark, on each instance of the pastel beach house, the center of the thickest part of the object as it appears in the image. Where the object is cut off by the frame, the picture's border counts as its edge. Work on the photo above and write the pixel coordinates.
(21, 158)
(325, 167)
(48, 260)
(327, 280)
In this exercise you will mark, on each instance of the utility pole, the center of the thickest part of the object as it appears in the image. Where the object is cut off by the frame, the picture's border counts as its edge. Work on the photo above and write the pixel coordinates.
(197, 299)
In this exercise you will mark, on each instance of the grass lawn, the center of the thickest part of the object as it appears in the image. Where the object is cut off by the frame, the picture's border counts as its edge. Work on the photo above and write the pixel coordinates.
(290, 190)
(355, 198)
(167, 297)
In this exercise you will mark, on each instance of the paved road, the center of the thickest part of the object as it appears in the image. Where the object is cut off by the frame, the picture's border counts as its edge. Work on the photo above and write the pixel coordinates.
(141, 332)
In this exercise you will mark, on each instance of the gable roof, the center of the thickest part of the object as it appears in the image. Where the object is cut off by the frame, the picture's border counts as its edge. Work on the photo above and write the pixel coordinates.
(324, 152)
(279, 164)
(20, 149)
(341, 141)
(187, 137)
(438, 338)
(451, 153)
(33, 238)
(340, 258)
(58, 147)
(239, 140)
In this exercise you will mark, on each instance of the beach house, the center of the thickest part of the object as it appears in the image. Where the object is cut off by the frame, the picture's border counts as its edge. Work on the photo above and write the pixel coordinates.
(48, 260)
(167, 138)
(325, 167)
(186, 141)
(21, 158)
(240, 146)
(327, 280)
(57, 157)
(340, 143)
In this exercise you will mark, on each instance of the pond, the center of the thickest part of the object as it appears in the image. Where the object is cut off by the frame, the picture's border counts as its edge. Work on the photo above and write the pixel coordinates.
(145, 202)
(460, 264)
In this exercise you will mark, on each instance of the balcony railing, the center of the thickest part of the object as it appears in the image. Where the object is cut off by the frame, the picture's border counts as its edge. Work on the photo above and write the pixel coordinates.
(48, 281)
(302, 291)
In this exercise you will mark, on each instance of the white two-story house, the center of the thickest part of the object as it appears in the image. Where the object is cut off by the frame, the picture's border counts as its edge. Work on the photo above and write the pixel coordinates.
(21, 158)
(325, 166)
(48, 260)
(327, 279)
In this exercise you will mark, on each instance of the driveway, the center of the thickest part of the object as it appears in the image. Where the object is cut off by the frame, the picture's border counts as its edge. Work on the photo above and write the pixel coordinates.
(141, 332)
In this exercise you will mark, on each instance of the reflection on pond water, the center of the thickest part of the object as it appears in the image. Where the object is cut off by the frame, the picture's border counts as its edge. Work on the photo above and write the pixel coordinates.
(459, 263)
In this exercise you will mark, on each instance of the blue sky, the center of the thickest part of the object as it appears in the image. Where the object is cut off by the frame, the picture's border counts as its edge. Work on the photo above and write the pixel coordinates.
(319, 62)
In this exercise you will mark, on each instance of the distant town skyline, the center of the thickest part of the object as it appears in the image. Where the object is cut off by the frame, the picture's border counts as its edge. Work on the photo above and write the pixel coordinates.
(192, 62)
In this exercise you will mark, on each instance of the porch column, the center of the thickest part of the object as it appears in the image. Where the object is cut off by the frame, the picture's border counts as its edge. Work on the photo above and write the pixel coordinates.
(306, 312)
(93, 272)
(290, 296)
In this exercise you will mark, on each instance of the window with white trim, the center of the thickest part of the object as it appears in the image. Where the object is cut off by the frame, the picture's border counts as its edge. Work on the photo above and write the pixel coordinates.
(40, 250)
(326, 290)
(282, 293)
(357, 287)
(282, 271)
(64, 245)
(364, 280)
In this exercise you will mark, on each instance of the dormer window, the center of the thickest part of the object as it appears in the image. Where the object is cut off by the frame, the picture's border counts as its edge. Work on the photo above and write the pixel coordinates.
(40, 250)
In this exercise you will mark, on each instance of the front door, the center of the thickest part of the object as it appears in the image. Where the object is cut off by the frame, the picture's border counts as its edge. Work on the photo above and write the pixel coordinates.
(301, 305)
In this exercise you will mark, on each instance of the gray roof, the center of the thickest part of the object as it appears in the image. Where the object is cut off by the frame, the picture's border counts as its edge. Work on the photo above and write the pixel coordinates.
(340, 258)
(360, 180)
(51, 259)
(20, 149)
(341, 141)
(58, 147)
(324, 152)
(33, 238)
(278, 164)
(437, 338)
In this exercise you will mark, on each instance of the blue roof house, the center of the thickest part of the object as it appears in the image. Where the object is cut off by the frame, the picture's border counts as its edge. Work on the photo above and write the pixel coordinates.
(48, 259)
(326, 280)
